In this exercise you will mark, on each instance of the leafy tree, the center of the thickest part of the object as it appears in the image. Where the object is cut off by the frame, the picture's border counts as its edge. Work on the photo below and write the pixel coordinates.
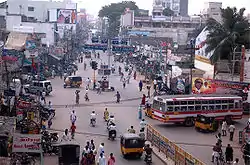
(228, 35)
(113, 12)
(168, 12)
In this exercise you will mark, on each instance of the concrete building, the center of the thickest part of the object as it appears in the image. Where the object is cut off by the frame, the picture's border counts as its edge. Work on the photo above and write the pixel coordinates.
(212, 10)
(180, 7)
(41, 16)
(127, 19)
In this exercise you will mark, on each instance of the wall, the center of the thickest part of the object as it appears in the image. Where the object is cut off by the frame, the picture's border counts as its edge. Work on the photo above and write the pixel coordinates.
(179, 35)
(47, 28)
(40, 8)
(2, 12)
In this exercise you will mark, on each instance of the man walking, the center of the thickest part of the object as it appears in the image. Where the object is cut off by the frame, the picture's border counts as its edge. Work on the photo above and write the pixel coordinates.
(231, 130)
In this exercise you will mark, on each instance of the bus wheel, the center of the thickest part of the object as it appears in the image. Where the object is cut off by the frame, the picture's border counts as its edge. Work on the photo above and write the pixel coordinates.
(189, 122)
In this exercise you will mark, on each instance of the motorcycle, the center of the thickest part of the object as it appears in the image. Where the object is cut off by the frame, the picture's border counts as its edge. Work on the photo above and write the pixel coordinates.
(148, 159)
(93, 122)
(112, 134)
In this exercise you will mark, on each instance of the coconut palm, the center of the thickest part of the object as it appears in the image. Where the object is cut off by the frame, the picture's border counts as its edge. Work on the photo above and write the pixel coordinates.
(225, 36)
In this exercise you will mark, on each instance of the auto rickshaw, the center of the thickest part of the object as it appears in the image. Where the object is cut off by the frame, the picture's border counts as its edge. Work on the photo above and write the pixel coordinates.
(132, 144)
(205, 123)
(73, 81)
(148, 110)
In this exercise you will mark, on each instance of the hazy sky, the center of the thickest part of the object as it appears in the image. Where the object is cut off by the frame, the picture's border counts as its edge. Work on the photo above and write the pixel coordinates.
(195, 6)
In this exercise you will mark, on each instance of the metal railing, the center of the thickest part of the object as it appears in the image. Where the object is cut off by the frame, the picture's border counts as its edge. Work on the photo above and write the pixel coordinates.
(170, 149)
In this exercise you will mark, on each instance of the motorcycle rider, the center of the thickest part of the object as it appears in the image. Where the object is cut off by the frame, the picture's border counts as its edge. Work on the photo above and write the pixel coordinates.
(112, 129)
(92, 117)
(106, 114)
(111, 120)
(131, 130)
(148, 150)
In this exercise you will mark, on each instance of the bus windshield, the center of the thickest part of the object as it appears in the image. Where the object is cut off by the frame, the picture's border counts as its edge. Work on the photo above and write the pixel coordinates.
(159, 106)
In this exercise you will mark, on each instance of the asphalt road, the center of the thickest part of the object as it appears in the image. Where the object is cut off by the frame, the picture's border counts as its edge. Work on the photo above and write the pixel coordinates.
(198, 144)
(125, 113)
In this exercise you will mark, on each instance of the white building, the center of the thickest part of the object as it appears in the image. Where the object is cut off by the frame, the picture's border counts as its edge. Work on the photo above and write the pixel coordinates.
(180, 7)
(127, 19)
(41, 16)
(212, 10)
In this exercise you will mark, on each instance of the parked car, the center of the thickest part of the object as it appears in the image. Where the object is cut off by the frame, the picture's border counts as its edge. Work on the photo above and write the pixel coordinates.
(36, 87)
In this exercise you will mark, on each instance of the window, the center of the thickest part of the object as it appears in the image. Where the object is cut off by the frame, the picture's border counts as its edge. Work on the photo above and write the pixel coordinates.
(204, 107)
(170, 109)
(211, 107)
(205, 102)
(197, 102)
(218, 107)
(211, 101)
(183, 102)
(224, 101)
(176, 109)
(231, 106)
(190, 102)
(191, 108)
(218, 101)
(170, 103)
(162, 107)
(197, 107)
(224, 107)
(176, 103)
(31, 8)
(184, 108)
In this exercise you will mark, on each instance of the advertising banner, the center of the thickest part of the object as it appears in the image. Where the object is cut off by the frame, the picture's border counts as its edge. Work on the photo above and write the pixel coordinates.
(202, 86)
(66, 16)
(26, 143)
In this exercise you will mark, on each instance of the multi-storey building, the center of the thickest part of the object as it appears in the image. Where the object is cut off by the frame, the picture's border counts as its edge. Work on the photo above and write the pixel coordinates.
(212, 10)
(180, 7)
(41, 17)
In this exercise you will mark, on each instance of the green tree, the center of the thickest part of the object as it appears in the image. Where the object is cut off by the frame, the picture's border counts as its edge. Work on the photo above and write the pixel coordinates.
(113, 12)
(227, 35)
(168, 12)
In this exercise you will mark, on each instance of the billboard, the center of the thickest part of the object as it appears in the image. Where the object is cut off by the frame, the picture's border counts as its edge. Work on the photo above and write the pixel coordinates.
(202, 86)
(66, 16)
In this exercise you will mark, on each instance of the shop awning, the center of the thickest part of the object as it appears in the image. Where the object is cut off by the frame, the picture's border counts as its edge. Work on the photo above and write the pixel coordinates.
(16, 41)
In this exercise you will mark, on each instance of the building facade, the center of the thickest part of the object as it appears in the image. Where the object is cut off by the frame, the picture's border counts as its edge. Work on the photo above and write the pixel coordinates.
(180, 7)
(212, 10)
(42, 16)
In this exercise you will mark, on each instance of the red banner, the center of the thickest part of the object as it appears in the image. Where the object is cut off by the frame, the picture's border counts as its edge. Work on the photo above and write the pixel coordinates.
(23, 104)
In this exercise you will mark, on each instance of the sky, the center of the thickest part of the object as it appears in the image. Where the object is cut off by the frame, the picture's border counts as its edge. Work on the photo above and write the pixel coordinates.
(195, 6)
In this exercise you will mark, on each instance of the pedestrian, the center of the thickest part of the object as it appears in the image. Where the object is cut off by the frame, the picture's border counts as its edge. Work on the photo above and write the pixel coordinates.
(224, 128)
(43, 96)
(77, 96)
(111, 160)
(81, 59)
(73, 130)
(143, 124)
(236, 162)
(148, 88)
(118, 97)
(231, 130)
(65, 136)
(140, 85)
(86, 96)
(101, 160)
(143, 100)
(43, 123)
(84, 65)
(101, 149)
(84, 159)
(53, 73)
(92, 145)
(229, 154)
(155, 84)
(134, 75)
(124, 82)
(122, 74)
(119, 70)
(49, 122)
(73, 117)
(140, 112)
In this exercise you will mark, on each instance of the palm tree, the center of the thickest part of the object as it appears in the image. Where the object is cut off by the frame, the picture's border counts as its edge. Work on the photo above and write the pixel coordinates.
(224, 37)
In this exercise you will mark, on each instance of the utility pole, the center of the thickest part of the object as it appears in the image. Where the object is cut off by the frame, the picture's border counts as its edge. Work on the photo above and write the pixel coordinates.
(7, 83)
(109, 55)
(242, 66)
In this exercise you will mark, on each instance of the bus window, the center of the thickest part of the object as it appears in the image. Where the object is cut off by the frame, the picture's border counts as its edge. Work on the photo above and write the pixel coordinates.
(183, 108)
(156, 105)
(197, 107)
(162, 107)
(190, 102)
(224, 107)
(231, 106)
(217, 101)
(183, 102)
(170, 109)
(211, 107)
(231, 101)
(176, 109)
(217, 107)
(197, 102)
(170, 103)
(224, 101)
(204, 102)
(176, 103)
(211, 102)
(204, 107)
(191, 108)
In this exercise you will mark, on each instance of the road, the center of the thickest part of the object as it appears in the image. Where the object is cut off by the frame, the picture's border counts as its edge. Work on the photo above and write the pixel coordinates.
(198, 144)
(125, 113)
